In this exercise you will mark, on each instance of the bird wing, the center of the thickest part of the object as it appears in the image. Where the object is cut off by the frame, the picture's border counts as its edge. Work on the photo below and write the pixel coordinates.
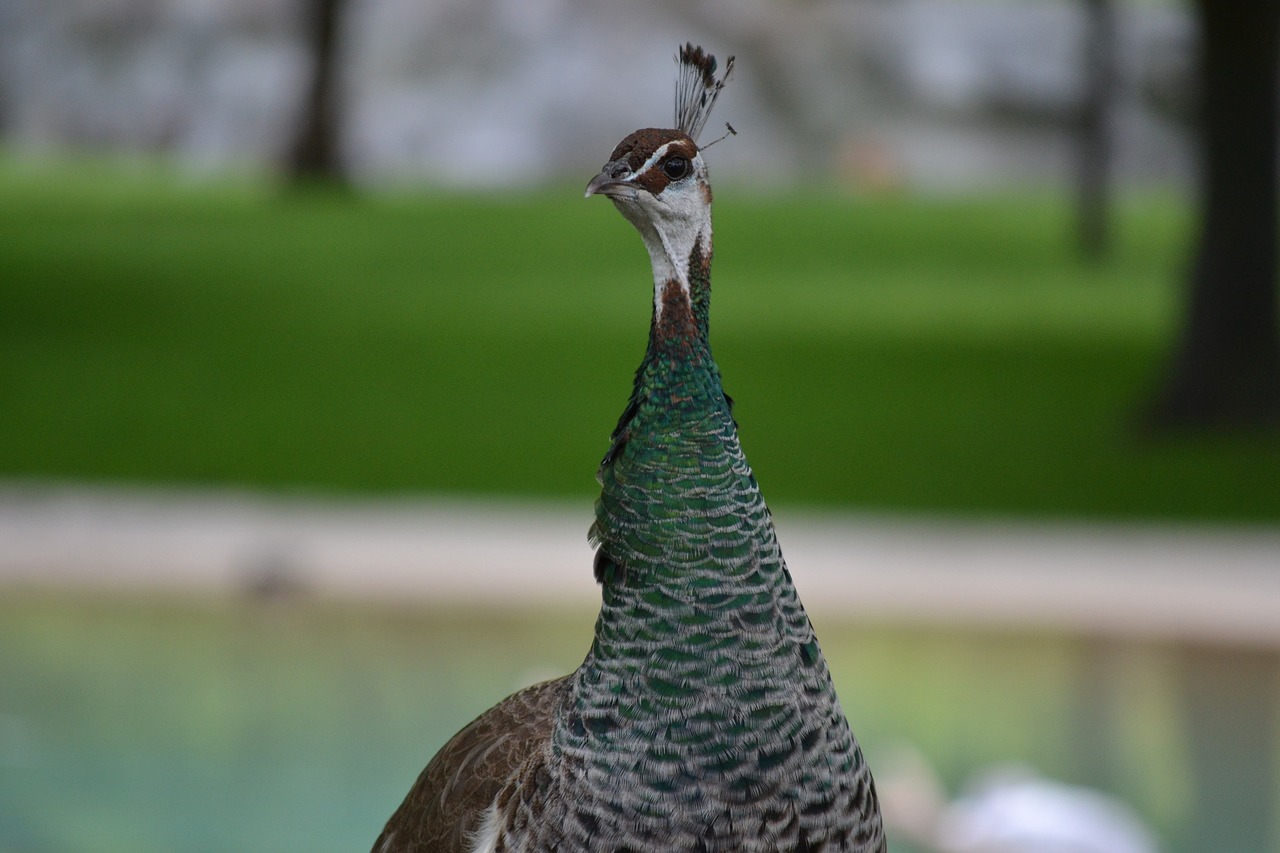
(444, 807)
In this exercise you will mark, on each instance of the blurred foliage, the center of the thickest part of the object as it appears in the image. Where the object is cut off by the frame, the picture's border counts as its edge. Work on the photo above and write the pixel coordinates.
(136, 725)
(892, 353)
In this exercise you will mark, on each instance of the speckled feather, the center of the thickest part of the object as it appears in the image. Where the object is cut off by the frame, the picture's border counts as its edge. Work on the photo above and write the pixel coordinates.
(703, 719)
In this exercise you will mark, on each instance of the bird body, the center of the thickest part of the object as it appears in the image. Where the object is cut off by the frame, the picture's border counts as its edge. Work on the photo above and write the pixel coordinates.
(703, 717)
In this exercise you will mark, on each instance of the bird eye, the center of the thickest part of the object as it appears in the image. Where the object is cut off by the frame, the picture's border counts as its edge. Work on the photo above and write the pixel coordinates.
(676, 167)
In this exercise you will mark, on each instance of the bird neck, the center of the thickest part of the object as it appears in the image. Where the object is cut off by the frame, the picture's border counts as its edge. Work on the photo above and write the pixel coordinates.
(699, 618)
(680, 329)
(677, 383)
(675, 479)
(679, 246)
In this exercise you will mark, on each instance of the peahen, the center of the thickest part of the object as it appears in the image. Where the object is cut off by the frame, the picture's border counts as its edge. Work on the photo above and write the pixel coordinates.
(704, 717)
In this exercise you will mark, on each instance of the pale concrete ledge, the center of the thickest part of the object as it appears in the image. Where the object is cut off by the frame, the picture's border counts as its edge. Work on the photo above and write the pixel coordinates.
(1152, 582)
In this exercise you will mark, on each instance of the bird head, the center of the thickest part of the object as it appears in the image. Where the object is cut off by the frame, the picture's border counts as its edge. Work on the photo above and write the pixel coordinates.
(656, 177)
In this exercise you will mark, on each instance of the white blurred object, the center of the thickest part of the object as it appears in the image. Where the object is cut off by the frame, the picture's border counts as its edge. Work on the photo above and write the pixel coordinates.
(1007, 810)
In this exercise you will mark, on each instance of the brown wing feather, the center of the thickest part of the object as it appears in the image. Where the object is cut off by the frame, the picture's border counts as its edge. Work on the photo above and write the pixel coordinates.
(447, 802)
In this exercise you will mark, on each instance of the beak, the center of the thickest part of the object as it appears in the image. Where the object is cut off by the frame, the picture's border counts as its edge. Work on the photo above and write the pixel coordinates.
(606, 184)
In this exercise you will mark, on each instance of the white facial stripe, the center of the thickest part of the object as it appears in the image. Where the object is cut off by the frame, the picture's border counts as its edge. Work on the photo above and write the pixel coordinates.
(654, 158)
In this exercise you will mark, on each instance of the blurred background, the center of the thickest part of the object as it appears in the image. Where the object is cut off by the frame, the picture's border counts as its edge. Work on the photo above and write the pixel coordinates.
(309, 348)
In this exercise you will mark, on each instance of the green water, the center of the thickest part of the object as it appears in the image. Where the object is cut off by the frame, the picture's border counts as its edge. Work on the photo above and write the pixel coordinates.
(153, 725)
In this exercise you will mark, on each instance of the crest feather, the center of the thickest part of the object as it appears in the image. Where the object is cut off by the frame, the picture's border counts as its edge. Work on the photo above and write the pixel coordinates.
(697, 88)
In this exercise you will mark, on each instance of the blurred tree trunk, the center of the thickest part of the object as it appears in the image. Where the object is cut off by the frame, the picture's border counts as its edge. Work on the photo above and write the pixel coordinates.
(314, 152)
(1094, 129)
(1225, 371)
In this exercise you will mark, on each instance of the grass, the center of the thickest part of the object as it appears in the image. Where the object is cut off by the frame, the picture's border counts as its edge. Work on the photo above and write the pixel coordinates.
(900, 354)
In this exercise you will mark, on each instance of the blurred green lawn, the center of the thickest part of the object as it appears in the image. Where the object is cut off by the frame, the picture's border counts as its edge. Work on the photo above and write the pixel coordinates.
(898, 354)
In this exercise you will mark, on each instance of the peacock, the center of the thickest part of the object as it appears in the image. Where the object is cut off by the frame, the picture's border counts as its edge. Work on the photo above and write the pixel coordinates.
(703, 717)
